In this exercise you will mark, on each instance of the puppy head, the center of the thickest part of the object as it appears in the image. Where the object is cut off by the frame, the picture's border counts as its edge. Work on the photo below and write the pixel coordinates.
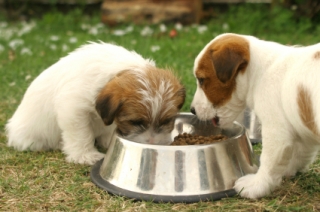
(216, 69)
(143, 104)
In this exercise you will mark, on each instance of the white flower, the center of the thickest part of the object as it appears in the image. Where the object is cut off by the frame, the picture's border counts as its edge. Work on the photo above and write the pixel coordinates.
(202, 28)
(73, 40)
(225, 26)
(133, 42)
(155, 48)
(99, 25)
(178, 26)
(129, 29)
(3, 24)
(163, 28)
(93, 31)
(119, 32)
(15, 43)
(25, 51)
(85, 26)
(65, 47)
(54, 37)
(28, 77)
(7, 33)
(26, 28)
(53, 47)
(12, 84)
(146, 31)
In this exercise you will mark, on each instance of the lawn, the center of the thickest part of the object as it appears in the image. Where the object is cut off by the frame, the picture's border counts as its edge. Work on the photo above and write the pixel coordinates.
(40, 181)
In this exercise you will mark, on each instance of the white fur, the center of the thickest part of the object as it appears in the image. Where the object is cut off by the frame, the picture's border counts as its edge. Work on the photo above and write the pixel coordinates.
(58, 108)
(269, 87)
(157, 97)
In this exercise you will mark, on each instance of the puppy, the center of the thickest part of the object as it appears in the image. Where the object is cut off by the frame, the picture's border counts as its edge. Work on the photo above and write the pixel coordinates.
(281, 84)
(91, 93)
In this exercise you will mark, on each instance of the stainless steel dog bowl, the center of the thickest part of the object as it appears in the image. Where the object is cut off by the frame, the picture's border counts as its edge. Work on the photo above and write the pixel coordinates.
(177, 173)
(251, 122)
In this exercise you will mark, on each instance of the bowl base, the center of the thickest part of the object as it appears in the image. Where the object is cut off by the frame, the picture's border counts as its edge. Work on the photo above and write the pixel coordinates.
(100, 182)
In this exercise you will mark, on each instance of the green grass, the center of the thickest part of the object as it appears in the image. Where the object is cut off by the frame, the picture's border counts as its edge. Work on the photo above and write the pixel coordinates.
(39, 181)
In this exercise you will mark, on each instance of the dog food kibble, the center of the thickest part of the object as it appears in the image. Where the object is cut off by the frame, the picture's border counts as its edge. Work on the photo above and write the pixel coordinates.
(188, 139)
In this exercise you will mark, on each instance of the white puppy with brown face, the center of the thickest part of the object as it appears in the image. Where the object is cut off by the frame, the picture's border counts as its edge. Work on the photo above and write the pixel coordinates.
(96, 90)
(281, 84)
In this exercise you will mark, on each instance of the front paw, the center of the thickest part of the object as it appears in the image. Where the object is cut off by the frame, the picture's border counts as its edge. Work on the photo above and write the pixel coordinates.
(88, 158)
(253, 186)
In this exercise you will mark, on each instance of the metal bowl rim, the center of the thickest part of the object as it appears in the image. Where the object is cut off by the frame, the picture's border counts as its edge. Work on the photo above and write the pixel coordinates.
(154, 146)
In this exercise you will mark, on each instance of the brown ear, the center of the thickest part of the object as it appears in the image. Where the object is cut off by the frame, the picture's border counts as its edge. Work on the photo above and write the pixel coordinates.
(181, 93)
(108, 107)
(227, 63)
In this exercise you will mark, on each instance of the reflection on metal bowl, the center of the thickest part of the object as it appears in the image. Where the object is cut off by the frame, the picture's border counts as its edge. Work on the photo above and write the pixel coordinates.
(177, 173)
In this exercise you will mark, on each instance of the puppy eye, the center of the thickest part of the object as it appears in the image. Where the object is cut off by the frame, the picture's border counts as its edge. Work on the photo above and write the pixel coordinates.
(201, 80)
(163, 125)
(166, 121)
(138, 122)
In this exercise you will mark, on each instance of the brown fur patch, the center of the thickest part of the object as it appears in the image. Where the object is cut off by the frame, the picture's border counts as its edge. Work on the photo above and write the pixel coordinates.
(122, 102)
(317, 55)
(119, 91)
(306, 110)
(219, 66)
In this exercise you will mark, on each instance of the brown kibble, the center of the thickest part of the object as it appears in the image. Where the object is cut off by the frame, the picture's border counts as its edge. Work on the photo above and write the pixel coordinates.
(189, 139)
(192, 141)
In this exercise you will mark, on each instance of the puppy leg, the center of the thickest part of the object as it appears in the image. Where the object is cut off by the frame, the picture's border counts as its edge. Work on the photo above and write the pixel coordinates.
(78, 136)
(107, 137)
(78, 145)
(276, 154)
(304, 154)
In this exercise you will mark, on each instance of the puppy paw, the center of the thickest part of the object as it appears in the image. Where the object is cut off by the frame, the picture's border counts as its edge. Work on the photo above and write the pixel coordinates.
(88, 158)
(252, 186)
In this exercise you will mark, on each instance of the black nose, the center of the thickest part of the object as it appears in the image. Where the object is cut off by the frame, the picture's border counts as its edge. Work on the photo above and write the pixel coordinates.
(193, 111)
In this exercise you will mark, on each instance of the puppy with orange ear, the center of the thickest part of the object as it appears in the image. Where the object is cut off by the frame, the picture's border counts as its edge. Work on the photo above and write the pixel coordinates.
(95, 91)
(280, 84)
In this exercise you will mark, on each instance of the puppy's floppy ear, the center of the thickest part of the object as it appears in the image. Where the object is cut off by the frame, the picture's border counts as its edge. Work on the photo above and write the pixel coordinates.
(181, 93)
(108, 107)
(109, 101)
(229, 59)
